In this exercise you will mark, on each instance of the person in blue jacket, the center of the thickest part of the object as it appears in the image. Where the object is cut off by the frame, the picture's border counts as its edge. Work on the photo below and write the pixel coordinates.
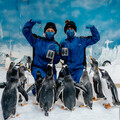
(76, 48)
(42, 46)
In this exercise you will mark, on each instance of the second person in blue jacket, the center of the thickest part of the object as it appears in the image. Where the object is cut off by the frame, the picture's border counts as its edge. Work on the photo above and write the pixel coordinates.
(76, 48)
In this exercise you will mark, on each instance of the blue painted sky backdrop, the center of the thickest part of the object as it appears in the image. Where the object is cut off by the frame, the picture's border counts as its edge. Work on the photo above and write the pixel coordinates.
(104, 14)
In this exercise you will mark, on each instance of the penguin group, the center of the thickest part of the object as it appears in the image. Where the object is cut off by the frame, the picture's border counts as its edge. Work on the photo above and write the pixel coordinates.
(95, 85)
(103, 85)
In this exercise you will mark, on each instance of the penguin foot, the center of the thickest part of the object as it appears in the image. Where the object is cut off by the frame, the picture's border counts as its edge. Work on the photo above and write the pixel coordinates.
(50, 109)
(24, 104)
(35, 103)
(81, 106)
(94, 99)
(12, 116)
(73, 109)
(17, 115)
(64, 108)
(107, 105)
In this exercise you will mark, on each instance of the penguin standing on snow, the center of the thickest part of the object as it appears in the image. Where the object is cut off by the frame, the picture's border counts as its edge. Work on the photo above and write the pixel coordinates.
(109, 89)
(67, 89)
(86, 97)
(95, 80)
(9, 96)
(20, 87)
(47, 91)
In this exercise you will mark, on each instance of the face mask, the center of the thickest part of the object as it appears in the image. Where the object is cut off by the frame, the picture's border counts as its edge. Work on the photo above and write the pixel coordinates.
(70, 33)
(49, 35)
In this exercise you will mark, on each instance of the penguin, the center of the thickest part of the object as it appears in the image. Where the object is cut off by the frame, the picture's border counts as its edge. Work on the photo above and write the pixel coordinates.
(38, 84)
(20, 87)
(109, 89)
(67, 89)
(86, 97)
(46, 94)
(7, 61)
(9, 96)
(95, 80)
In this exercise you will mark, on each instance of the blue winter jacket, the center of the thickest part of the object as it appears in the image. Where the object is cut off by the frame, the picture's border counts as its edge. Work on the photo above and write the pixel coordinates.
(76, 47)
(41, 46)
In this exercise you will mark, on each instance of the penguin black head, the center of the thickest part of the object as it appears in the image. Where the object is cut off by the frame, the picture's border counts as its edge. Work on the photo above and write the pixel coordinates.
(93, 66)
(38, 75)
(104, 73)
(12, 64)
(94, 61)
(14, 75)
(50, 69)
(66, 70)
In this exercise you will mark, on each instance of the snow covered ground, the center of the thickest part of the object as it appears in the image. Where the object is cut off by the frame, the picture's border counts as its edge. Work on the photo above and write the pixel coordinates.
(33, 112)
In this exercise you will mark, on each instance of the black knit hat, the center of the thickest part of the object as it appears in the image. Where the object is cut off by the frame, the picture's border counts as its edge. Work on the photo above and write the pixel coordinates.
(50, 25)
(70, 24)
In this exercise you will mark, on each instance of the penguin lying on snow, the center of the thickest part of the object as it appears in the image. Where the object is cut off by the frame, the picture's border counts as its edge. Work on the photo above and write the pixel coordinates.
(47, 90)
(86, 97)
(9, 96)
(109, 89)
(95, 80)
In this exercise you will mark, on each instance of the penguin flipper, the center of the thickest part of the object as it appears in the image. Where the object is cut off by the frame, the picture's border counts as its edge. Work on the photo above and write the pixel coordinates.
(30, 88)
(115, 95)
(23, 92)
(80, 86)
(58, 92)
(2, 85)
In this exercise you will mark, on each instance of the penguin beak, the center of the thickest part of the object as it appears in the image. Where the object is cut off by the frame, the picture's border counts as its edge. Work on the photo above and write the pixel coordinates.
(89, 62)
(99, 69)
(91, 57)
(21, 64)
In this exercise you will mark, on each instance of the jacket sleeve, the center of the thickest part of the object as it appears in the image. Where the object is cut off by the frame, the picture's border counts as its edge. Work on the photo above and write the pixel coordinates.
(90, 40)
(27, 32)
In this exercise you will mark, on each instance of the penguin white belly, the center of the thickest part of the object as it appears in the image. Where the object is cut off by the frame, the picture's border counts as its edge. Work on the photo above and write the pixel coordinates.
(80, 98)
(106, 91)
